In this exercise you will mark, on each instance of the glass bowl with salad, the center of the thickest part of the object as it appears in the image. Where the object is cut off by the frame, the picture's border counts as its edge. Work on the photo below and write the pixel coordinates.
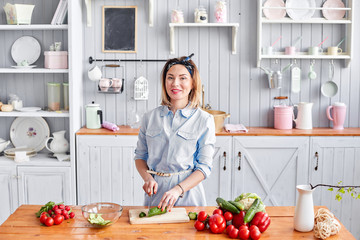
(102, 214)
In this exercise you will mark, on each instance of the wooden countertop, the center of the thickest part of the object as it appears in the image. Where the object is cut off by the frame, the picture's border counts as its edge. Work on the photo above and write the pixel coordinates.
(253, 131)
(23, 224)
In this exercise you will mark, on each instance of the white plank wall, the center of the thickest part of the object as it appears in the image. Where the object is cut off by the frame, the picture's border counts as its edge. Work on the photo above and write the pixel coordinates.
(232, 82)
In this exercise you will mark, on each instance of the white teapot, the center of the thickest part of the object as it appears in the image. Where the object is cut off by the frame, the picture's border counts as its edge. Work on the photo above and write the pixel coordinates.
(58, 144)
(3, 144)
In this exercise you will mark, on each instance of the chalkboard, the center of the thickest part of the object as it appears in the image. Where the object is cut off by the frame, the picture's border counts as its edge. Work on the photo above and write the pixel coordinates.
(119, 29)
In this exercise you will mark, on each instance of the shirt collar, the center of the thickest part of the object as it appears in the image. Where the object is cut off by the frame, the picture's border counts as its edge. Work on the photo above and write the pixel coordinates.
(185, 112)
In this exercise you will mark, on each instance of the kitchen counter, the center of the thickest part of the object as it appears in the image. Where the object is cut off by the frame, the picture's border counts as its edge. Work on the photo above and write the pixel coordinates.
(23, 224)
(253, 131)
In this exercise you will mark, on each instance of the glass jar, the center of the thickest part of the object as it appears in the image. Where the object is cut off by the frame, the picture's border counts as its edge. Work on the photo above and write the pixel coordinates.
(201, 15)
(66, 96)
(221, 11)
(177, 16)
(53, 96)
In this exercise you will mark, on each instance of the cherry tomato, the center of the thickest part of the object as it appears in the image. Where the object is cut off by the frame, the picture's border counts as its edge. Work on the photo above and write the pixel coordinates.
(43, 218)
(202, 216)
(50, 212)
(72, 215)
(218, 211)
(199, 225)
(58, 219)
(57, 211)
(244, 227)
(49, 221)
(63, 212)
(55, 208)
(229, 228)
(228, 216)
(244, 233)
(66, 216)
(61, 206)
(43, 213)
(255, 233)
(67, 208)
(234, 233)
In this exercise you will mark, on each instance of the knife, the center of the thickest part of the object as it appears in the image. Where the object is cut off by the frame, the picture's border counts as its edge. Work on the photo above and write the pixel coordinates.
(150, 201)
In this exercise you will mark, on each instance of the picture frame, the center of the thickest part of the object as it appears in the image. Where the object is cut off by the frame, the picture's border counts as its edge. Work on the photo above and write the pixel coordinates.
(119, 29)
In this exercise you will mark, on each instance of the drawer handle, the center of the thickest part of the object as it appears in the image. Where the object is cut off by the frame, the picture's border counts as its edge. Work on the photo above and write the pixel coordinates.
(317, 161)
(224, 155)
(239, 156)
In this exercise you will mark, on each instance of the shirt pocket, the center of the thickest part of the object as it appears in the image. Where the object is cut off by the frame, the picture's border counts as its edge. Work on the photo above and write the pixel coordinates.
(187, 142)
(155, 142)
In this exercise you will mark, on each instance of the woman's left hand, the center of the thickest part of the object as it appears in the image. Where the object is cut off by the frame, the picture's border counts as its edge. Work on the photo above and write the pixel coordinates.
(169, 199)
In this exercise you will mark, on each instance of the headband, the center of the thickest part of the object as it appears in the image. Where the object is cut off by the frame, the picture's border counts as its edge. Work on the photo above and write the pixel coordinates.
(185, 63)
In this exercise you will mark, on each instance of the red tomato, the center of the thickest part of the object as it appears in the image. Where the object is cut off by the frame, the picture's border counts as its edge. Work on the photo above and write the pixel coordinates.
(67, 208)
(252, 227)
(43, 213)
(199, 225)
(50, 212)
(49, 221)
(72, 215)
(43, 218)
(229, 228)
(244, 227)
(255, 234)
(234, 233)
(202, 216)
(66, 216)
(58, 219)
(57, 211)
(61, 206)
(238, 219)
(55, 207)
(63, 212)
(244, 233)
(217, 219)
(218, 211)
(228, 216)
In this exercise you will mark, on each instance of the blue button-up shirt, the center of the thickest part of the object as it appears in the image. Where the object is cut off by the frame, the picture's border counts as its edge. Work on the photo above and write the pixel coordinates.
(172, 143)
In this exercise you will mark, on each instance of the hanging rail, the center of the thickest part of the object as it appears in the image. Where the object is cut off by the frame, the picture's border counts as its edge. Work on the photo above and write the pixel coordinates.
(91, 60)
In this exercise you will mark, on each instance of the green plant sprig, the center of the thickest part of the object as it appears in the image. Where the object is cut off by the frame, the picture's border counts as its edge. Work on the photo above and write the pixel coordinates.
(342, 189)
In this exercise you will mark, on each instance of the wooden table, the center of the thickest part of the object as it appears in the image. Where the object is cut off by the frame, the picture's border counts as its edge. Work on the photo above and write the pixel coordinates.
(23, 224)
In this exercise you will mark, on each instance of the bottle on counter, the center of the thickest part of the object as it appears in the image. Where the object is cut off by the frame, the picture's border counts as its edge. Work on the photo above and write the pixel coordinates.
(177, 16)
(221, 11)
(201, 15)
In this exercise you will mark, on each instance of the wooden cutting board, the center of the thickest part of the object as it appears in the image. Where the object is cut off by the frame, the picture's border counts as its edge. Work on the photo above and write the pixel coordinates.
(177, 215)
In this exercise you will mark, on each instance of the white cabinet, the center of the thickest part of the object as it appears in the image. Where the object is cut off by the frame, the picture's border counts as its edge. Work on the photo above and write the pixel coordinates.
(8, 189)
(334, 159)
(106, 170)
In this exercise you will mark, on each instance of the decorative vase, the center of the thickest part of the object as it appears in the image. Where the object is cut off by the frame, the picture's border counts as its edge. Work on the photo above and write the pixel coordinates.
(304, 210)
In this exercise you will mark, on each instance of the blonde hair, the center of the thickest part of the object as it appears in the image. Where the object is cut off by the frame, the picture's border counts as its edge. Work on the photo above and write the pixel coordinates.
(195, 93)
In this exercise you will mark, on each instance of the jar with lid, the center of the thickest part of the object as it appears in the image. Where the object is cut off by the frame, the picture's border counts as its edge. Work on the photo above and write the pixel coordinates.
(53, 96)
(66, 96)
(221, 11)
(201, 15)
(177, 16)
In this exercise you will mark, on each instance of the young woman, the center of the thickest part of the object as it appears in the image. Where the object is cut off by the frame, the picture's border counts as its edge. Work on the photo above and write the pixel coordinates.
(176, 140)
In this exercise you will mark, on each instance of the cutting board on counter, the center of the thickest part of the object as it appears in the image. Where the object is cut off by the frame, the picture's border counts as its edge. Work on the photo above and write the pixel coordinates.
(177, 215)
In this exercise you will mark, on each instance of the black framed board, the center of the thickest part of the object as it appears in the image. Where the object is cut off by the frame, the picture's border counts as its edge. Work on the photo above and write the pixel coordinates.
(119, 29)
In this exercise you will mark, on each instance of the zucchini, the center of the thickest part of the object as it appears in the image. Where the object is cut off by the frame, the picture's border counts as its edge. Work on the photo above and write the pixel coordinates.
(192, 215)
(238, 205)
(226, 205)
(252, 210)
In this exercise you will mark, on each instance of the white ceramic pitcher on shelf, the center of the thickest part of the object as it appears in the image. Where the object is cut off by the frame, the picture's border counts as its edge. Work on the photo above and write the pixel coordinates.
(304, 210)
(304, 116)
(58, 144)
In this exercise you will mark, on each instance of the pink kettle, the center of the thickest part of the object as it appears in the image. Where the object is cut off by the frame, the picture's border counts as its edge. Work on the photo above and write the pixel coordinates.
(338, 115)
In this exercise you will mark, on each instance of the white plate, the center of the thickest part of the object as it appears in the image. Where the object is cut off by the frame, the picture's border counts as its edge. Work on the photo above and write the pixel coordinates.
(24, 67)
(333, 14)
(300, 14)
(11, 151)
(13, 156)
(274, 13)
(29, 109)
(30, 132)
(26, 48)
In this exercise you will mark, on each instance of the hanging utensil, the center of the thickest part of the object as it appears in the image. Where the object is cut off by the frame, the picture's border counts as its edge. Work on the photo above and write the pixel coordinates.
(295, 79)
(312, 74)
(330, 88)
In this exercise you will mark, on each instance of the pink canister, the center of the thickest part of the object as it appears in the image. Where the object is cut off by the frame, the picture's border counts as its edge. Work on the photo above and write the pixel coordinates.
(283, 117)
(56, 59)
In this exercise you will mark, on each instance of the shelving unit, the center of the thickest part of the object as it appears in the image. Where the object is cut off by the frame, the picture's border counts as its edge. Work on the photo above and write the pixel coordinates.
(32, 27)
(347, 22)
(35, 114)
(172, 26)
(33, 70)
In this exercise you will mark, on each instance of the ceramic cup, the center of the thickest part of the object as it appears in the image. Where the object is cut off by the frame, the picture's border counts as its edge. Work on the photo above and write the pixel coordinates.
(315, 50)
(291, 50)
(117, 84)
(334, 50)
(267, 50)
(23, 63)
(104, 84)
(94, 73)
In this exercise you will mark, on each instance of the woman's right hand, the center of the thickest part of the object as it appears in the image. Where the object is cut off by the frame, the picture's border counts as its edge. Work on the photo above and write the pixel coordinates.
(150, 186)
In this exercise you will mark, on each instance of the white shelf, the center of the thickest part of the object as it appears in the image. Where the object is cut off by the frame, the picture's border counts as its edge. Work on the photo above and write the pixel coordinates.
(304, 55)
(288, 20)
(33, 70)
(34, 27)
(35, 114)
(234, 26)
(40, 159)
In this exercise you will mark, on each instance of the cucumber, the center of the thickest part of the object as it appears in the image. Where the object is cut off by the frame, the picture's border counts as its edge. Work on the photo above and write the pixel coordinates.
(252, 210)
(226, 205)
(192, 215)
(238, 205)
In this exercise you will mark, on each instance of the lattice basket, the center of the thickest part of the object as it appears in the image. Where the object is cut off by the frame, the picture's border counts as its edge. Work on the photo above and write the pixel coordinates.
(141, 89)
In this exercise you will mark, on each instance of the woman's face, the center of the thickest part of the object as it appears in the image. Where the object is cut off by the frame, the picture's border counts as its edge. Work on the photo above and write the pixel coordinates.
(178, 83)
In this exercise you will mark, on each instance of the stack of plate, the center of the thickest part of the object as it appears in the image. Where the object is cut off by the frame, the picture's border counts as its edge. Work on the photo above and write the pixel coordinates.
(10, 153)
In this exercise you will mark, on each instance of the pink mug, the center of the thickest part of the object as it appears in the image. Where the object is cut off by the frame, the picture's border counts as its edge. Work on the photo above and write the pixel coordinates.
(117, 84)
(291, 50)
(104, 84)
(338, 115)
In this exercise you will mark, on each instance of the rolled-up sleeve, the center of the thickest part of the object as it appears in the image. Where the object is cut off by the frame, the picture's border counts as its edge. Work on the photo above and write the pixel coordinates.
(141, 151)
(206, 148)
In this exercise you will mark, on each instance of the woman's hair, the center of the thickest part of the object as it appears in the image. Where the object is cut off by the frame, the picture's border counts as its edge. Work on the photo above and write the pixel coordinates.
(195, 93)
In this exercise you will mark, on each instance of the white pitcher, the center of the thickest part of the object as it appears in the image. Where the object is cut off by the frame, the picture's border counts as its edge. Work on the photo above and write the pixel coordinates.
(304, 210)
(58, 144)
(304, 116)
